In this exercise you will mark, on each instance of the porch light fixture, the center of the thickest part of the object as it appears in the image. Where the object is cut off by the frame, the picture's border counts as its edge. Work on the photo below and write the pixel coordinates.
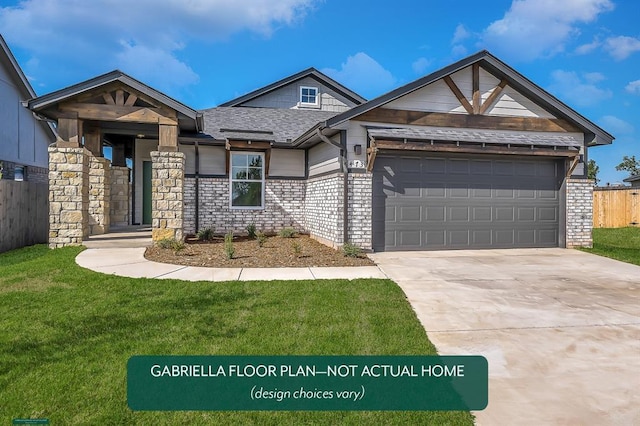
(357, 149)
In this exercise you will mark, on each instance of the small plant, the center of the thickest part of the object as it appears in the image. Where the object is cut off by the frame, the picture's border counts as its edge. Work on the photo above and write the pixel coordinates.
(261, 238)
(297, 248)
(171, 244)
(287, 233)
(205, 234)
(229, 251)
(251, 230)
(351, 250)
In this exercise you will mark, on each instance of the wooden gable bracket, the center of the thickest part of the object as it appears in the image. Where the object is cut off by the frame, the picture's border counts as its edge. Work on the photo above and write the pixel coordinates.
(572, 166)
(259, 146)
(476, 106)
(372, 151)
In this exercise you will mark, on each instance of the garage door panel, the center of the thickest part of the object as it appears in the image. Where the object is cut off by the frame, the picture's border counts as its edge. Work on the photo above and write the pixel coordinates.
(472, 202)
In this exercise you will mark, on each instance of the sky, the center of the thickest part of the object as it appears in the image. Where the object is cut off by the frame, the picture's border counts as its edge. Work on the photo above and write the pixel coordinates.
(206, 52)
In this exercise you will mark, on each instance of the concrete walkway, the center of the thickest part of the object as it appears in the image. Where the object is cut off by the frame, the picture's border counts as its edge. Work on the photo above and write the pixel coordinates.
(121, 253)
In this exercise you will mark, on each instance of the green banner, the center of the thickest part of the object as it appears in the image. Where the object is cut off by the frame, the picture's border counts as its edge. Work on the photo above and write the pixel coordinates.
(412, 383)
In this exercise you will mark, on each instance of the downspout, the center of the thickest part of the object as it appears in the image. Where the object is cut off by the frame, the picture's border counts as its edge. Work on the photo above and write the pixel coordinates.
(197, 187)
(345, 172)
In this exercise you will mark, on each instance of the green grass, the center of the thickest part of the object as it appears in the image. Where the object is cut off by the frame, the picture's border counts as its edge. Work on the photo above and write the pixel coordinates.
(617, 243)
(66, 334)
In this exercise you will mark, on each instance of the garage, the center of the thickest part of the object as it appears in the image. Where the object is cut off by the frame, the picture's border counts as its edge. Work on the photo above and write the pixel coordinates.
(434, 201)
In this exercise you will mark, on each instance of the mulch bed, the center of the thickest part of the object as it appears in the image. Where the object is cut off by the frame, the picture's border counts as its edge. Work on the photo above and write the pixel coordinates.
(275, 253)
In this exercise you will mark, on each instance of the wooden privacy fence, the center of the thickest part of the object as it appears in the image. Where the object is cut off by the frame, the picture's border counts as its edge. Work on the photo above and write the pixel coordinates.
(24, 214)
(616, 207)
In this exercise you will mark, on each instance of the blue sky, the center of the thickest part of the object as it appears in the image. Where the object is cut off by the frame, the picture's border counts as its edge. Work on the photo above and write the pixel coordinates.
(205, 52)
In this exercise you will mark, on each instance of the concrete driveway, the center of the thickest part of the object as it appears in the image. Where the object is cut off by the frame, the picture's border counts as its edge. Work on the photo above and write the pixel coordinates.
(560, 328)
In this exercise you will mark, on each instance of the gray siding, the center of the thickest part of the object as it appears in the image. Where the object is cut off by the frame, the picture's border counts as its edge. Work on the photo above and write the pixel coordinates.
(289, 96)
(323, 158)
(22, 138)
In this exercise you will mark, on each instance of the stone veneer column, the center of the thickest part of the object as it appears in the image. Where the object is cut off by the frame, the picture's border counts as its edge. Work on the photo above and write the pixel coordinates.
(68, 196)
(119, 210)
(167, 195)
(99, 195)
(579, 208)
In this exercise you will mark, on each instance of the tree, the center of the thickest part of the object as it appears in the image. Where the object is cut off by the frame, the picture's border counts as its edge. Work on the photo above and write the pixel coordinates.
(592, 171)
(629, 164)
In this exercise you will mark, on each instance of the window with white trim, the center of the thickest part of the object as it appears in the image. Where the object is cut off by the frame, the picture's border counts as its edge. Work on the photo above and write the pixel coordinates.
(246, 178)
(308, 95)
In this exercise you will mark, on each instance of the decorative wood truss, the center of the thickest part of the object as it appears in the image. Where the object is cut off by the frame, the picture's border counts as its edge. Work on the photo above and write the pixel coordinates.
(474, 119)
(116, 103)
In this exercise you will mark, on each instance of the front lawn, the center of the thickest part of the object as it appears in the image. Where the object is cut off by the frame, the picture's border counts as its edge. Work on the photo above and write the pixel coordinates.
(66, 334)
(617, 243)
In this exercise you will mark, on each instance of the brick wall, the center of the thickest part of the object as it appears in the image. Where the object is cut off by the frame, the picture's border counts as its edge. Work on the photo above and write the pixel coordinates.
(579, 212)
(32, 173)
(284, 207)
(324, 206)
(360, 208)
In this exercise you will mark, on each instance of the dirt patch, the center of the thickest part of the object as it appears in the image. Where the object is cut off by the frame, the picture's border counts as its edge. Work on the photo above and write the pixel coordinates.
(276, 252)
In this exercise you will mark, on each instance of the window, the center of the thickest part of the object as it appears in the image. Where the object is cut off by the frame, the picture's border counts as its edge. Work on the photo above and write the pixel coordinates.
(247, 180)
(308, 95)
(18, 173)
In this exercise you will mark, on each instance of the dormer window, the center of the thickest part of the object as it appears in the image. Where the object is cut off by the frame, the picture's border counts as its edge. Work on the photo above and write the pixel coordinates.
(308, 95)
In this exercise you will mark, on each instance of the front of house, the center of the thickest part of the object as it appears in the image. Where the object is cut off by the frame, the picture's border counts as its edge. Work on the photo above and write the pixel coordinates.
(471, 156)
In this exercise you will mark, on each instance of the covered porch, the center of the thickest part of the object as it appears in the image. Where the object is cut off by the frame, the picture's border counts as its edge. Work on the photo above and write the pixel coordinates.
(142, 183)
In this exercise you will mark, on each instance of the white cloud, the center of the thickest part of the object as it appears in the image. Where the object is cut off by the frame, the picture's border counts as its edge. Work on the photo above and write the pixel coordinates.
(77, 31)
(594, 77)
(420, 65)
(458, 51)
(534, 28)
(588, 47)
(615, 125)
(621, 47)
(363, 74)
(460, 34)
(577, 90)
(633, 87)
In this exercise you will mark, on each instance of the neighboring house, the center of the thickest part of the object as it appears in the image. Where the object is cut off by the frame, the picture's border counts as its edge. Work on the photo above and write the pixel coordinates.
(471, 156)
(23, 138)
(634, 181)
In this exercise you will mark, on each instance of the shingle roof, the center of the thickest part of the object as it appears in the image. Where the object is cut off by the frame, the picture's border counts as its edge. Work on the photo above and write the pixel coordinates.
(458, 135)
(497, 67)
(633, 178)
(277, 125)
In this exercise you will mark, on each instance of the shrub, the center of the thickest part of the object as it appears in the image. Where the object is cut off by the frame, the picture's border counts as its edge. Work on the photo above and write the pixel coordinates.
(251, 230)
(229, 251)
(287, 233)
(261, 238)
(205, 234)
(170, 243)
(351, 250)
(297, 248)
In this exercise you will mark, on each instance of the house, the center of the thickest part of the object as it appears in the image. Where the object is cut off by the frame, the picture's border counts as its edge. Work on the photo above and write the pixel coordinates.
(23, 160)
(474, 155)
(23, 138)
(634, 181)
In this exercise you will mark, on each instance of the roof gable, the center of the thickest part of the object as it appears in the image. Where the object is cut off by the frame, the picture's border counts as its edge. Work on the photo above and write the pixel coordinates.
(502, 92)
(104, 85)
(305, 75)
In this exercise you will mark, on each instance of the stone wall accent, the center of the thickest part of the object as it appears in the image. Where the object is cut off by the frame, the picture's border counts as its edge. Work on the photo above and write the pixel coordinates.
(324, 208)
(99, 194)
(167, 189)
(68, 196)
(360, 208)
(579, 210)
(120, 189)
(284, 207)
